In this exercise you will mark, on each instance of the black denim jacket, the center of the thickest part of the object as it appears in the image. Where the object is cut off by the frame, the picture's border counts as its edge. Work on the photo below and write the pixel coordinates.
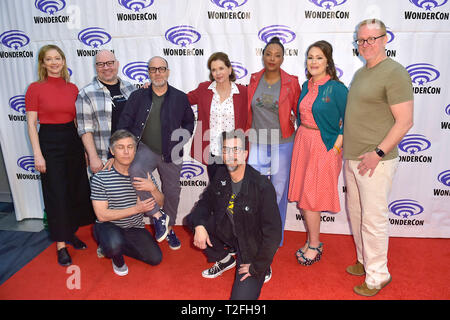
(176, 113)
(256, 216)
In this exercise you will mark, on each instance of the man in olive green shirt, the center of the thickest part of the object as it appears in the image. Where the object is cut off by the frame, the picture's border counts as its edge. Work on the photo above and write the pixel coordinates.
(379, 113)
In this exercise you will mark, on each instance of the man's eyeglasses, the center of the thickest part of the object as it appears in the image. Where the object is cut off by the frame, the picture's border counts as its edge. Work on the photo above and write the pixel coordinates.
(160, 69)
(232, 149)
(370, 40)
(107, 63)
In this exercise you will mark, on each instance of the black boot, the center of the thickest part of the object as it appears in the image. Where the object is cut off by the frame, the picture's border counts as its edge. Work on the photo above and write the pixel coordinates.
(77, 243)
(64, 257)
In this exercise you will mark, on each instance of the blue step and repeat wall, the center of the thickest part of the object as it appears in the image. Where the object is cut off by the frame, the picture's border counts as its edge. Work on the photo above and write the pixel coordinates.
(186, 32)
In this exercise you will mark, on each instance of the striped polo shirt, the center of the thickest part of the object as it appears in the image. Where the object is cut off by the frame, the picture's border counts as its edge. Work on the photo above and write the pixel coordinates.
(111, 186)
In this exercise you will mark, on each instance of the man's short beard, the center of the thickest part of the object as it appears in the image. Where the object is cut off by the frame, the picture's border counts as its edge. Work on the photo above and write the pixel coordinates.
(232, 168)
(159, 84)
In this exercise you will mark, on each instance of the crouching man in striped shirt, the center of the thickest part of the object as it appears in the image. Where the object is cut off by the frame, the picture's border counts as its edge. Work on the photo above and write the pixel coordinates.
(120, 228)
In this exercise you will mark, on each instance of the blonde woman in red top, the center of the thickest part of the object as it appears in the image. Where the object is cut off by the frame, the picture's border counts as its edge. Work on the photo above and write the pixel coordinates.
(58, 151)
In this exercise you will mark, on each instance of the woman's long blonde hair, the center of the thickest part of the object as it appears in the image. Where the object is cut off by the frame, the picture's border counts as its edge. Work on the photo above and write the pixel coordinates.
(42, 72)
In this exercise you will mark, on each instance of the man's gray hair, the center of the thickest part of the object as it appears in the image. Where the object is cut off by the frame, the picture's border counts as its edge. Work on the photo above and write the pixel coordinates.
(150, 60)
(121, 134)
(372, 23)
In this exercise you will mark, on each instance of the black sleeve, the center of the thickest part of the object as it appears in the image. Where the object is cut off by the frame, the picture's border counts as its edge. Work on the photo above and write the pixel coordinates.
(128, 115)
(202, 209)
(270, 225)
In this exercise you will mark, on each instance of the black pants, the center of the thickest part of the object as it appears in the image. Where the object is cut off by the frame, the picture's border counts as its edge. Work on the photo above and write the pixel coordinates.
(250, 288)
(65, 185)
(136, 243)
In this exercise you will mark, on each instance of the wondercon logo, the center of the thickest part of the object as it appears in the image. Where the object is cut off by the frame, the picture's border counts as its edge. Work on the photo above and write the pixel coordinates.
(14, 39)
(136, 5)
(428, 4)
(229, 4)
(182, 35)
(328, 4)
(50, 6)
(26, 163)
(413, 143)
(285, 33)
(422, 73)
(94, 37)
(190, 170)
(137, 71)
(444, 178)
(17, 103)
(239, 69)
(447, 110)
(405, 208)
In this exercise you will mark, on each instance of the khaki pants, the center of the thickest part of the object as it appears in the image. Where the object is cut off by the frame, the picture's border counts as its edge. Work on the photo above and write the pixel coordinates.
(367, 205)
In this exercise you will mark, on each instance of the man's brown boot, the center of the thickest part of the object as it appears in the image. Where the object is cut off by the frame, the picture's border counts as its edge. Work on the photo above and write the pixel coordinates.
(356, 269)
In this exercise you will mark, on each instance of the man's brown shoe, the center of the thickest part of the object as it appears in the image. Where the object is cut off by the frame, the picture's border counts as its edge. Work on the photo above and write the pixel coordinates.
(356, 269)
(363, 290)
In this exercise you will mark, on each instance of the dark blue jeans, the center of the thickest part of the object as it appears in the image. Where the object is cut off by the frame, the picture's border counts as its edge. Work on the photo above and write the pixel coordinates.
(250, 288)
(137, 243)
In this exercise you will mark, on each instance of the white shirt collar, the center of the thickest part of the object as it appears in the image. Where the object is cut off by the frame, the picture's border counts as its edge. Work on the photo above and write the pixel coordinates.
(234, 88)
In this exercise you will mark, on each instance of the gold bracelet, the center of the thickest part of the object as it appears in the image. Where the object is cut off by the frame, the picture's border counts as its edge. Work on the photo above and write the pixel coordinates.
(338, 149)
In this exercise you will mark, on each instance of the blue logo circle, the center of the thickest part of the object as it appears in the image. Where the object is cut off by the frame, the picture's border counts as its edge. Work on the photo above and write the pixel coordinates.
(239, 69)
(17, 103)
(390, 35)
(26, 163)
(229, 4)
(422, 73)
(328, 4)
(413, 143)
(285, 33)
(190, 169)
(447, 110)
(137, 71)
(14, 39)
(136, 5)
(182, 35)
(444, 177)
(428, 4)
(339, 72)
(50, 6)
(94, 37)
(405, 208)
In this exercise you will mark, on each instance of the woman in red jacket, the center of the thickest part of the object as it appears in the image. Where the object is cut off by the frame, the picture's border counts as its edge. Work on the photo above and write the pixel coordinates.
(58, 151)
(221, 106)
(272, 108)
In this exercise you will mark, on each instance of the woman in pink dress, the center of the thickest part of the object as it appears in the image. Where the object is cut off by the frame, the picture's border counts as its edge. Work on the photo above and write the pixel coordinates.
(317, 158)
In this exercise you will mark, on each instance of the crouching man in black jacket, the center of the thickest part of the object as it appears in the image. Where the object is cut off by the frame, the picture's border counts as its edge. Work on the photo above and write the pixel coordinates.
(238, 210)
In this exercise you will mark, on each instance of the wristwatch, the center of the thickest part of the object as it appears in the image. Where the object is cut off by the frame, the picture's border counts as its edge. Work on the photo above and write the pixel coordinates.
(379, 152)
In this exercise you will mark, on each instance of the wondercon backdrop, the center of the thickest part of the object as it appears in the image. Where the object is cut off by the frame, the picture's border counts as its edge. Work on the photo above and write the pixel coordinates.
(186, 33)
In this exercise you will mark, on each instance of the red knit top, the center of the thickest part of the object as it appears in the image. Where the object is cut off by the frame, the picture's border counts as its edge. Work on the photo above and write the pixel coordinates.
(53, 99)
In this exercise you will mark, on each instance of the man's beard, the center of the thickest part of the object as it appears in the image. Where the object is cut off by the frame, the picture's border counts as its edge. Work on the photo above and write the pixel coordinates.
(232, 168)
(159, 83)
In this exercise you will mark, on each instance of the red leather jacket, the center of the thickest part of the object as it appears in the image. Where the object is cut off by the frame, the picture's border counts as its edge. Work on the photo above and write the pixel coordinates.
(289, 95)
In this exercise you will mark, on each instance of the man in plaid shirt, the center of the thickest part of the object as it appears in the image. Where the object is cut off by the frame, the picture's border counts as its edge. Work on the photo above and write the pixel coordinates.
(99, 105)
